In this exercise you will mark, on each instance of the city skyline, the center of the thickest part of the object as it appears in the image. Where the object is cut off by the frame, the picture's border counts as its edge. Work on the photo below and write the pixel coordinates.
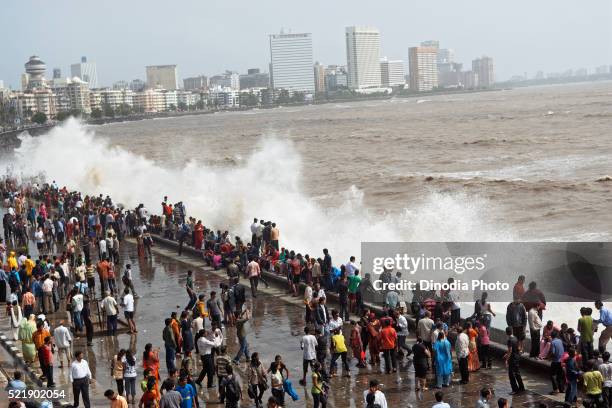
(471, 29)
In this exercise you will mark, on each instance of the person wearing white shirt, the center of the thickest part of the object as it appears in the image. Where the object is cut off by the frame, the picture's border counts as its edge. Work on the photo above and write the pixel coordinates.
(63, 341)
(462, 348)
(102, 246)
(205, 346)
(350, 266)
(377, 395)
(80, 377)
(440, 401)
(47, 288)
(109, 305)
(254, 228)
(335, 322)
(402, 332)
(535, 327)
(128, 309)
(309, 345)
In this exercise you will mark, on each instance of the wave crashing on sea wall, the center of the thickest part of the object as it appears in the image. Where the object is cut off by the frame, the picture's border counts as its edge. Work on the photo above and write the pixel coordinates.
(267, 184)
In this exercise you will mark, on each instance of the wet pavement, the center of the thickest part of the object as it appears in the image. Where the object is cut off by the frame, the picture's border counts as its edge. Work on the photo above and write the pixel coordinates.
(276, 328)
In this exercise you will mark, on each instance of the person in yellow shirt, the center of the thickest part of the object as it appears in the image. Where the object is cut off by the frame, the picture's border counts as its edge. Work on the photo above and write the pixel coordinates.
(29, 266)
(593, 383)
(339, 350)
(12, 261)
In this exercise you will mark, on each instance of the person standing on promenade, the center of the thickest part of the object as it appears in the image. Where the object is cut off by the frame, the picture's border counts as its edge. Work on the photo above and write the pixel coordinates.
(593, 386)
(80, 377)
(519, 288)
(374, 396)
(462, 349)
(443, 361)
(47, 361)
(556, 370)
(571, 373)
(516, 318)
(535, 327)
(253, 272)
(605, 318)
(170, 344)
(241, 333)
(63, 341)
(128, 309)
(127, 280)
(274, 236)
(326, 270)
(388, 344)
(585, 328)
(109, 305)
(513, 358)
(214, 306)
(309, 347)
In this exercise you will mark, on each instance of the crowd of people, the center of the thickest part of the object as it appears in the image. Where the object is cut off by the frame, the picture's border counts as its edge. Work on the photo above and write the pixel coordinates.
(78, 239)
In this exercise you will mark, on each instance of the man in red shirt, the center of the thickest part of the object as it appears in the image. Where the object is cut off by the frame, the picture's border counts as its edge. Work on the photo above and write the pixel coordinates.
(103, 267)
(388, 343)
(47, 361)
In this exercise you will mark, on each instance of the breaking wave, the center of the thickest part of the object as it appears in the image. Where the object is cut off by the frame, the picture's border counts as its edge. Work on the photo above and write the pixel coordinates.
(267, 185)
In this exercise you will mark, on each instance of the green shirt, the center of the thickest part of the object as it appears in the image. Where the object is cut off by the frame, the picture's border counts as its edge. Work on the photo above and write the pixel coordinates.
(353, 283)
(585, 327)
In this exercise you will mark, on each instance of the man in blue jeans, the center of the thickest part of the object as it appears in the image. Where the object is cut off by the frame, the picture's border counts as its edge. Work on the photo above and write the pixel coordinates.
(243, 318)
(170, 345)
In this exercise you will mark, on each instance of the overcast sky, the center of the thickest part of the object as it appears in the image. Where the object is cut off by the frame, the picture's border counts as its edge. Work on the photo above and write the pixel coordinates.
(209, 36)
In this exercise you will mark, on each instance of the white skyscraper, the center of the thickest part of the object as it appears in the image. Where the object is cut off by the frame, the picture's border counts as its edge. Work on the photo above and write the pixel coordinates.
(86, 71)
(291, 62)
(392, 72)
(363, 57)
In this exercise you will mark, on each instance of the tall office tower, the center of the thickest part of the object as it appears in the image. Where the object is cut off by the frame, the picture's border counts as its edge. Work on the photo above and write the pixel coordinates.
(319, 74)
(423, 68)
(291, 62)
(486, 71)
(57, 73)
(86, 71)
(392, 72)
(363, 57)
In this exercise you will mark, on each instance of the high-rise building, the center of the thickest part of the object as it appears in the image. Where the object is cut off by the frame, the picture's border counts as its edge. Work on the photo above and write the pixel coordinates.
(229, 79)
(423, 68)
(319, 74)
(336, 77)
(291, 62)
(137, 85)
(486, 72)
(57, 73)
(392, 73)
(78, 93)
(86, 71)
(198, 82)
(162, 76)
(363, 57)
(445, 56)
(121, 85)
(254, 79)
(35, 69)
